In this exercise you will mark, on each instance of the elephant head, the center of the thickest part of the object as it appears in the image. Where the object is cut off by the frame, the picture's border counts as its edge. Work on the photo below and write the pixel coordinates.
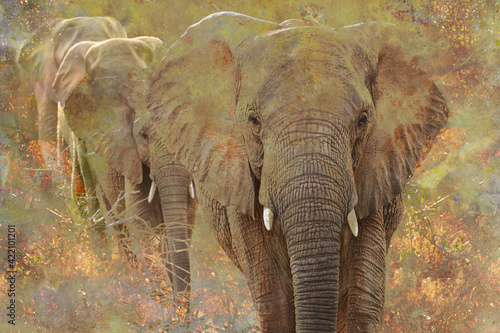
(293, 132)
(102, 87)
(111, 90)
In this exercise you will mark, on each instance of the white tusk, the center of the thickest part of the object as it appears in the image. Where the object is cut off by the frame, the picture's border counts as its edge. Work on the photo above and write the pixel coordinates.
(353, 222)
(152, 191)
(191, 189)
(268, 218)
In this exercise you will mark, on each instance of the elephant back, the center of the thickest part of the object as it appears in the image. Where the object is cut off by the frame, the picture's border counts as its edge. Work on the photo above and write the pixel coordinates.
(49, 44)
(79, 29)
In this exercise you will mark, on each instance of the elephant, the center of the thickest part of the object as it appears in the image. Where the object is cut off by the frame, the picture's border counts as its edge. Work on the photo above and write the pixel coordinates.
(100, 86)
(40, 57)
(300, 140)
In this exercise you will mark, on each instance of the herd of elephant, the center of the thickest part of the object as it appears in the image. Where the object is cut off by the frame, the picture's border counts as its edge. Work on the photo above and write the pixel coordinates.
(296, 139)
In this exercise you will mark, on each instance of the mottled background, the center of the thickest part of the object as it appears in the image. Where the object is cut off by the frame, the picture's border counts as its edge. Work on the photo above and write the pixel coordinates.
(444, 269)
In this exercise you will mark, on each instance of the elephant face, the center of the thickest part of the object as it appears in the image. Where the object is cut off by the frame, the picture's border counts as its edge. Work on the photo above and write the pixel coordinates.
(353, 80)
(307, 127)
(107, 86)
(305, 95)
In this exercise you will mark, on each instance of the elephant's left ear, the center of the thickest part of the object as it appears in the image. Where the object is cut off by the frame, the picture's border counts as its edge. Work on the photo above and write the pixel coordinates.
(410, 113)
(71, 71)
(110, 128)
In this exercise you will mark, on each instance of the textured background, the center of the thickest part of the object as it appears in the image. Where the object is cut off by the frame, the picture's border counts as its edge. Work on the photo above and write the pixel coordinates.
(443, 270)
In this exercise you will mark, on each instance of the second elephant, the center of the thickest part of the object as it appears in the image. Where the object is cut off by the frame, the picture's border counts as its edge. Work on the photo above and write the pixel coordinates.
(101, 83)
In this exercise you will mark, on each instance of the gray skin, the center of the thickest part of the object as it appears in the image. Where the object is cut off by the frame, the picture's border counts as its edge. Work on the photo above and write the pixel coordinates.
(101, 84)
(311, 123)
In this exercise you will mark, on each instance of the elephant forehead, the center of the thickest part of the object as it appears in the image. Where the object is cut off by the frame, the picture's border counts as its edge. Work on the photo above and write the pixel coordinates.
(305, 44)
(306, 67)
(299, 85)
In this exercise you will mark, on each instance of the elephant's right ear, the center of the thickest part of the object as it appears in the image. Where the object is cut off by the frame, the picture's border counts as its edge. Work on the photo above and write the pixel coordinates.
(194, 95)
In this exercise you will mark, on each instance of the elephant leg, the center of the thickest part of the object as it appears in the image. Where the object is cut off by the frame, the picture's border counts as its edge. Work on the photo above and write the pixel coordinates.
(264, 261)
(47, 135)
(54, 137)
(363, 276)
(362, 269)
(66, 148)
(73, 164)
(110, 187)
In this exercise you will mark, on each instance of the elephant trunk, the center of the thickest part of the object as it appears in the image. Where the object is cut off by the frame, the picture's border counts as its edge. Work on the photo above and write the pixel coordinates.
(315, 197)
(173, 186)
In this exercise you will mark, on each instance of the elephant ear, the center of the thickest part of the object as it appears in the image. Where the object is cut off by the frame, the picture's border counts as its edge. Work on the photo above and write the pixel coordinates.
(71, 71)
(107, 114)
(50, 43)
(410, 113)
(195, 94)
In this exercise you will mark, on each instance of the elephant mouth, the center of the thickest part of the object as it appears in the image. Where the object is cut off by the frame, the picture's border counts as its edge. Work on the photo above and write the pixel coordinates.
(153, 189)
(269, 217)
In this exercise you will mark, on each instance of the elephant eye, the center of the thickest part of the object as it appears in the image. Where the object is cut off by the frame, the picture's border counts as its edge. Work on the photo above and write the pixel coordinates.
(363, 119)
(255, 124)
(143, 134)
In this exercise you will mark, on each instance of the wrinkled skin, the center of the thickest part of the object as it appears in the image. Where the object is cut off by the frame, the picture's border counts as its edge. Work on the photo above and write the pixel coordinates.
(101, 83)
(308, 123)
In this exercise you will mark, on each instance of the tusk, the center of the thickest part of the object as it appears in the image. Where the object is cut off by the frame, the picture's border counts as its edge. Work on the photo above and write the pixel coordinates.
(353, 222)
(152, 191)
(268, 218)
(191, 189)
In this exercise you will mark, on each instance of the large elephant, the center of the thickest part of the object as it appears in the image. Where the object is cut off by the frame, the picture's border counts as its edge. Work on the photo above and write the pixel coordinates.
(294, 134)
(100, 79)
